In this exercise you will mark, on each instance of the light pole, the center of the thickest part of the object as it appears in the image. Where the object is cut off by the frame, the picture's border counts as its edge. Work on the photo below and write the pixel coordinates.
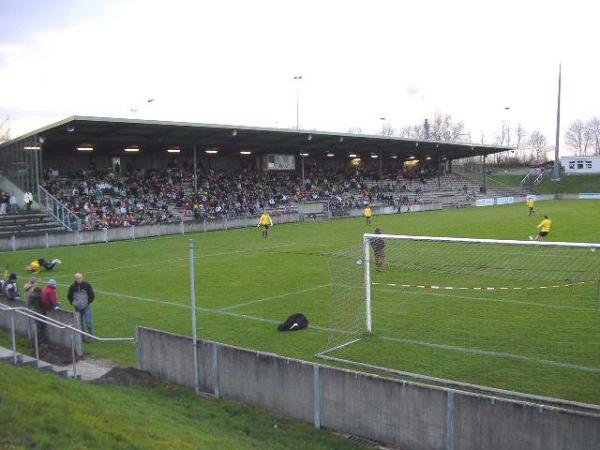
(382, 125)
(555, 168)
(298, 79)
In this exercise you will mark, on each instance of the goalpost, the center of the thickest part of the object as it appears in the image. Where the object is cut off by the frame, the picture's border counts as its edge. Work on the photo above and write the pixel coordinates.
(412, 302)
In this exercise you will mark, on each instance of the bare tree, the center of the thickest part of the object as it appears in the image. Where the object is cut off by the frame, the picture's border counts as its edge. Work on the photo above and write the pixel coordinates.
(388, 130)
(536, 142)
(578, 137)
(521, 135)
(444, 128)
(4, 129)
(594, 130)
(503, 136)
(355, 130)
(412, 132)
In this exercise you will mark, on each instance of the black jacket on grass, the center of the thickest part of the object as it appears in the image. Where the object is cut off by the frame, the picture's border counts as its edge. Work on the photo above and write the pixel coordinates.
(295, 322)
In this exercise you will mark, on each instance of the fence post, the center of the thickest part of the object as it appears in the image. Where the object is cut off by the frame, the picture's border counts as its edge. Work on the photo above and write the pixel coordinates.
(133, 232)
(450, 421)
(182, 227)
(47, 241)
(193, 301)
(77, 237)
(13, 241)
(106, 235)
(35, 341)
(204, 222)
(73, 354)
(317, 395)
(215, 367)
(12, 334)
(138, 347)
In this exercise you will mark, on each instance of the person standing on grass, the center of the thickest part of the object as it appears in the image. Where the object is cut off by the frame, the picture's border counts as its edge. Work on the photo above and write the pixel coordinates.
(265, 222)
(49, 299)
(531, 206)
(10, 288)
(34, 302)
(81, 295)
(378, 246)
(368, 214)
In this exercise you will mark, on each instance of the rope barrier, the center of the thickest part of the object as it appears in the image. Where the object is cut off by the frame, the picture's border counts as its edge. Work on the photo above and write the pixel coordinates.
(484, 288)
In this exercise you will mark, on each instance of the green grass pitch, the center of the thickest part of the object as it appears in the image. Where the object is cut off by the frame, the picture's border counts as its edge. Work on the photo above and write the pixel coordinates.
(246, 285)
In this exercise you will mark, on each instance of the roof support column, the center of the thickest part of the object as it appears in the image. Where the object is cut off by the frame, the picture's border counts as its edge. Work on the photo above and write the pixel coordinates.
(195, 173)
(483, 172)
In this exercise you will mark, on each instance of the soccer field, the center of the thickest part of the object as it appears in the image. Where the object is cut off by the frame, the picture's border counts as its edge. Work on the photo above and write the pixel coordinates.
(539, 342)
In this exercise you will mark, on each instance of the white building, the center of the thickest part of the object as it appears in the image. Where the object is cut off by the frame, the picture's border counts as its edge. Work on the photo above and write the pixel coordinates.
(580, 165)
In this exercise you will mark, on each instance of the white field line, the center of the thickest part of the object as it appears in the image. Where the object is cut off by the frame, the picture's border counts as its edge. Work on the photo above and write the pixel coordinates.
(485, 299)
(477, 351)
(186, 258)
(239, 305)
(328, 330)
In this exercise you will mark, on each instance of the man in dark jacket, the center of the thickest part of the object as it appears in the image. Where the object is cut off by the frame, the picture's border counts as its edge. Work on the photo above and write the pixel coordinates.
(81, 295)
(34, 302)
(10, 288)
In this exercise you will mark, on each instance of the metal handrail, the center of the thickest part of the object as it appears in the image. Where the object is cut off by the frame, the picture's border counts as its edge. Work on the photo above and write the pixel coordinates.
(63, 213)
(53, 323)
(59, 324)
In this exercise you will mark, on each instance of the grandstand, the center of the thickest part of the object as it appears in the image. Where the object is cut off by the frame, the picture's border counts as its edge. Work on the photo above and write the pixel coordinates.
(90, 173)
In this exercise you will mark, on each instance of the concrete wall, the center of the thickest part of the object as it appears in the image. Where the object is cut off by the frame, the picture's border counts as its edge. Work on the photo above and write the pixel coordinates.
(55, 336)
(403, 414)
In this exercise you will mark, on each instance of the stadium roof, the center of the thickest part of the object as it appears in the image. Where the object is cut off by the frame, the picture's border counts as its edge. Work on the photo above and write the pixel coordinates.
(112, 135)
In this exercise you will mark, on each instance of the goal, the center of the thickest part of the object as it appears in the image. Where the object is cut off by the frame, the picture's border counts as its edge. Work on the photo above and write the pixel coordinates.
(450, 308)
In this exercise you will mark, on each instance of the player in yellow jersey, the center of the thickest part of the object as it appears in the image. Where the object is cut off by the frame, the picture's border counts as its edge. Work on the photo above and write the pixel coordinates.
(37, 265)
(531, 206)
(265, 222)
(544, 227)
(368, 214)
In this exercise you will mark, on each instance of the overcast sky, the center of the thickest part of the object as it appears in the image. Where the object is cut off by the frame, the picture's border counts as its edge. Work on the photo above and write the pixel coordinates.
(233, 62)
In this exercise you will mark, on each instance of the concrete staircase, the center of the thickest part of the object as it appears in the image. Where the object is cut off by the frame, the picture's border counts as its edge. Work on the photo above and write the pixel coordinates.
(6, 355)
(28, 224)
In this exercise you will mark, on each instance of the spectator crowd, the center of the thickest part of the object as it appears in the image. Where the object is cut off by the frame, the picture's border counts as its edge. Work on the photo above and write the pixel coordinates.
(121, 198)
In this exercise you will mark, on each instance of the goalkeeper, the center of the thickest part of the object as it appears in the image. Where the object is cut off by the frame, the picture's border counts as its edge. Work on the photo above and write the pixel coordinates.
(378, 246)
(265, 222)
(38, 265)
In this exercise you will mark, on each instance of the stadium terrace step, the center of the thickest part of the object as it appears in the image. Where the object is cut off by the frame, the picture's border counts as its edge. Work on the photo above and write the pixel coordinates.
(31, 233)
(6, 355)
(22, 218)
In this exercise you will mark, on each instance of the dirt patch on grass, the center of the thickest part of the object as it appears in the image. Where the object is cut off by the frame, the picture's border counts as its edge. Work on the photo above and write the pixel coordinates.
(127, 376)
(56, 355)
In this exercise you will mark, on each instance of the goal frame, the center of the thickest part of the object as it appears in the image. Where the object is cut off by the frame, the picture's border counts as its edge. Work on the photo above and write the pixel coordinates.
(406, 237)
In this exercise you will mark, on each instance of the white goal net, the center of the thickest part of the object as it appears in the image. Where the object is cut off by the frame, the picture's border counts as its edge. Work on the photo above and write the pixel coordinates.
(451, 308)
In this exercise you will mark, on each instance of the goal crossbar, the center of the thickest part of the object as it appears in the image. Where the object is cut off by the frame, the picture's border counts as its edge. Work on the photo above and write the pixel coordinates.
(405, 237)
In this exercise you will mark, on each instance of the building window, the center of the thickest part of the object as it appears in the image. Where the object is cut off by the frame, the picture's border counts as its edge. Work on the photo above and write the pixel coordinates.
(579, 165)
(588, 164)
(571, 164)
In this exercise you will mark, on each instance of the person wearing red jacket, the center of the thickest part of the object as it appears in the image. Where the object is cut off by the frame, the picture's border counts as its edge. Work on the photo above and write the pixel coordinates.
(49, 299)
